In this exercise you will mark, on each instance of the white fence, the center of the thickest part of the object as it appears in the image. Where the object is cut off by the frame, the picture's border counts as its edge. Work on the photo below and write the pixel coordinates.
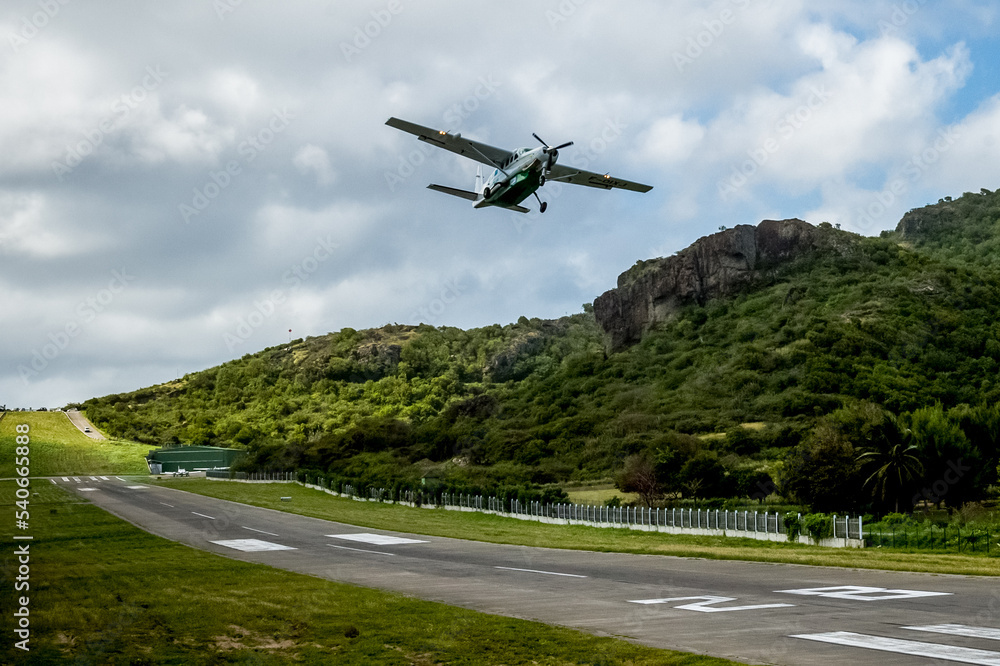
(846, 531)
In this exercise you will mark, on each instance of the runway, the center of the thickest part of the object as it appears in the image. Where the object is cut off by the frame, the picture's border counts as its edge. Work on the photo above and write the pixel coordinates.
(753, 612)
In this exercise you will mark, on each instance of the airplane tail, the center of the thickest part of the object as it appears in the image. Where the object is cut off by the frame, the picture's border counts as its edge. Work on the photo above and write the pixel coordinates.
(479, 180)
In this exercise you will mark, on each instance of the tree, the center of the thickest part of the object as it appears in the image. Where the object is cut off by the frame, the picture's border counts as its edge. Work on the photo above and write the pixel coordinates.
(638, 475)
(896, 468)
(823, 471)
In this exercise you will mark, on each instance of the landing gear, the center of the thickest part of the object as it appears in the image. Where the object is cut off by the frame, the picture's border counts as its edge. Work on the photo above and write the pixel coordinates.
(541, 180)
(542, 205)
(486, 192)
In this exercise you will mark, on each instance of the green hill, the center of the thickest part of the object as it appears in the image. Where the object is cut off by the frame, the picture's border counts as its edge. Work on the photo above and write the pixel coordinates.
(874, 346)
(57, 447)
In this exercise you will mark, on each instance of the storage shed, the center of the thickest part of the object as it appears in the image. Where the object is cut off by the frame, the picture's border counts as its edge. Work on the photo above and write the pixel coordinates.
(191, 458)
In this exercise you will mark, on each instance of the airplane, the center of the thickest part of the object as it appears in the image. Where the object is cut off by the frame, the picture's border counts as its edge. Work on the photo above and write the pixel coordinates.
(517, 174)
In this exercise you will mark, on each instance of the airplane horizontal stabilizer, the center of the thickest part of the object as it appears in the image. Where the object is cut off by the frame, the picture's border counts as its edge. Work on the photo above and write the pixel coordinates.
(465, 194)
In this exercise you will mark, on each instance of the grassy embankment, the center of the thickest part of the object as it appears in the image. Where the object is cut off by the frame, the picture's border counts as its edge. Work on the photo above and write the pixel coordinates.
(498, 529)
(103, 591)
(58, 447)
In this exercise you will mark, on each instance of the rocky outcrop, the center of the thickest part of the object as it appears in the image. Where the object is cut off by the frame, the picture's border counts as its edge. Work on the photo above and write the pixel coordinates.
(718, 265)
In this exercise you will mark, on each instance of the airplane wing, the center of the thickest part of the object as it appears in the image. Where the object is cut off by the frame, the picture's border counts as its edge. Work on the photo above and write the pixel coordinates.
(481, 152)
(567, 174)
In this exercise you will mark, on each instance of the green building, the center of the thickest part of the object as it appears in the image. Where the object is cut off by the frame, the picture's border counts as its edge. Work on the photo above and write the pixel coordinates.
(191, 458)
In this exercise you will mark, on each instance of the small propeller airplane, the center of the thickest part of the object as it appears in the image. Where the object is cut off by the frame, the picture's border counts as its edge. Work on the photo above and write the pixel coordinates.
(517, 174)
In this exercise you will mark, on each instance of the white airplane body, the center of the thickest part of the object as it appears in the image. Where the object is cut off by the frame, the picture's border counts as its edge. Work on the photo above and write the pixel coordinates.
(516, 175)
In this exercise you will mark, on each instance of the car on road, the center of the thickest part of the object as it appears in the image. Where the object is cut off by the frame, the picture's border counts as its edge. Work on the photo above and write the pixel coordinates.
(86, 429)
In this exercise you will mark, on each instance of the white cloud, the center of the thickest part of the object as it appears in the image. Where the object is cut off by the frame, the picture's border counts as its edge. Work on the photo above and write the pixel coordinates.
(313, 159)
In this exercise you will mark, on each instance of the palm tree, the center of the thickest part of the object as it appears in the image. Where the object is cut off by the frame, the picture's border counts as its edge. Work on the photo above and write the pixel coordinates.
(897, 466)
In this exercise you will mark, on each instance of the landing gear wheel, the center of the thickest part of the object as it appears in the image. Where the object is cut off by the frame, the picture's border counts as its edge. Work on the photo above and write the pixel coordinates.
(541, 180)
(486, 193)
(545, 204)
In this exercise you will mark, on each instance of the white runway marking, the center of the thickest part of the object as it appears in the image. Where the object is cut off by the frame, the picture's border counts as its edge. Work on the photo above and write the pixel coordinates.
(988, 633)
(251, 545)
(66, 479)
(915, 648)
(547, 573)
(203, 515)
(93, 478)
(53, 481)
(261, 531)
(361, 550)
(375, 539)
(84, 490)
(136, 487)
(862, 593)
(104, 478)
(77, 479)
(707, 604)
(165, 504)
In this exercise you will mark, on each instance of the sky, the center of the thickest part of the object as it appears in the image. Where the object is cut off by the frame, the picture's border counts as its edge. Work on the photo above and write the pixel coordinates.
(185, 183)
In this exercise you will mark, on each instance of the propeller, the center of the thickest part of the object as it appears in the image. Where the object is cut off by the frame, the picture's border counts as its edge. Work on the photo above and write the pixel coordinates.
(551, 151)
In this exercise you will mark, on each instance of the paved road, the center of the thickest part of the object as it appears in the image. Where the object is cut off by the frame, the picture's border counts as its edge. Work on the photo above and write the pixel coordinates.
(81, 422)
(758, 613)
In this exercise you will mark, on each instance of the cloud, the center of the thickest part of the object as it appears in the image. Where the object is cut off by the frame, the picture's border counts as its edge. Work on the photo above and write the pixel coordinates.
(313, 159)
(148, 112)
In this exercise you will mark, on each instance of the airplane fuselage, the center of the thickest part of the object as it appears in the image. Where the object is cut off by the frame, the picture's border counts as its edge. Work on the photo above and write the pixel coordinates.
(520, 177)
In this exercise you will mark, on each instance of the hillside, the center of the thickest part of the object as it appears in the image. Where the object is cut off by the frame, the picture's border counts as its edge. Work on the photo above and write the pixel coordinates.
(835, 346)
(57, 447)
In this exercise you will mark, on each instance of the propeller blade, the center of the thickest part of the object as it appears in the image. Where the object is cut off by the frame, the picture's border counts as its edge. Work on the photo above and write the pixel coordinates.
(539, 139)
(568, 143)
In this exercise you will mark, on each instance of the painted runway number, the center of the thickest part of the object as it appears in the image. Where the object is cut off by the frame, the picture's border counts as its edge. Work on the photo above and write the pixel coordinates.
(708, 604)
(862, 593)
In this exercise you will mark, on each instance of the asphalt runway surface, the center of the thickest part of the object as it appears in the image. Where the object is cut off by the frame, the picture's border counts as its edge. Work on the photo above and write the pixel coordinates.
(751, 612)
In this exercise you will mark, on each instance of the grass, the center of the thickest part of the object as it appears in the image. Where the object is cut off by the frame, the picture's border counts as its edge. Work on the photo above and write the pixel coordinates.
(103, 591)
(598, 494)
(498, 529)
(58, 447)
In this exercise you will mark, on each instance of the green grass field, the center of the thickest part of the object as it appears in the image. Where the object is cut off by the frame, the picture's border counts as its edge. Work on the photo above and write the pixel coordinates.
(58, 447)
(105, 592)
(499, 529)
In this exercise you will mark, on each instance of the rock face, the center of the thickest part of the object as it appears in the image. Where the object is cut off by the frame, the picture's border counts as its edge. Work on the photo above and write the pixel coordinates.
(718, 265)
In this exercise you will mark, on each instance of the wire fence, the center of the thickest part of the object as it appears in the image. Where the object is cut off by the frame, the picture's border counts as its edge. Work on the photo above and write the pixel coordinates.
(946, 538)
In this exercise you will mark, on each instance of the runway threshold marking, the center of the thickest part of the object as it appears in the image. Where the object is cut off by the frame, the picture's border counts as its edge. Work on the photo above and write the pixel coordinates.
(66, 479)
(375, 539)
(203, 515)
(547, 573)
(989, 633)
(261, 531)
(361, 550)
(251, 545)
(104, 478)
(915, 648)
